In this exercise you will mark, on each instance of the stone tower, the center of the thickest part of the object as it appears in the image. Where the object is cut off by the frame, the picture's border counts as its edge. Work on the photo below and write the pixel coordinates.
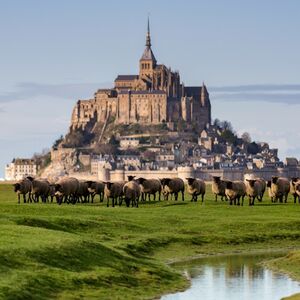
(147, 61)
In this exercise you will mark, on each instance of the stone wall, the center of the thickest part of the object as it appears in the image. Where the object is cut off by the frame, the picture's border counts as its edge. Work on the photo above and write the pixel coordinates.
(184, 172)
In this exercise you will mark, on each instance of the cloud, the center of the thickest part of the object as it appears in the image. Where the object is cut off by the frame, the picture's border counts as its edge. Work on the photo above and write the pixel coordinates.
(27, 90)
(274, 93)
(287, 94)
(257, 87)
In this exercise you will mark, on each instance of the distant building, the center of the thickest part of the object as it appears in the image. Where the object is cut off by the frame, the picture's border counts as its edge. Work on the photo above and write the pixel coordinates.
(155, 96)
(128, 142)
(20, 168)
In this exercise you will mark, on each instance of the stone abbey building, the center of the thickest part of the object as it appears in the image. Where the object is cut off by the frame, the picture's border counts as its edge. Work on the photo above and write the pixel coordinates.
(154, 96)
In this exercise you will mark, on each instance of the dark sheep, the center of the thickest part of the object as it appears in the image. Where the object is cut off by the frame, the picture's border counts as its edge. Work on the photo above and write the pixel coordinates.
(149, 187)
(172, 186)
(196, 187)
(96, 188)
(23, 187)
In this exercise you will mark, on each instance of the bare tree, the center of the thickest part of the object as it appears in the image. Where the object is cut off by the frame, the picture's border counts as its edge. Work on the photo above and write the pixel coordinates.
(246, 137)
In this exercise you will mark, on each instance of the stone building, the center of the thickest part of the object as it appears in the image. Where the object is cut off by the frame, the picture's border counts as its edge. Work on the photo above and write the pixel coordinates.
(20, 168)
(154, 96)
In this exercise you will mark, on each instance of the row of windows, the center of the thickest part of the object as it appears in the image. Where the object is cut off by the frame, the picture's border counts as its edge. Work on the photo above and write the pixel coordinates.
(146, 66)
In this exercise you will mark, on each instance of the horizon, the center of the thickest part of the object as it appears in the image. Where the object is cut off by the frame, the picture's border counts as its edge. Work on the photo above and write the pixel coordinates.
(42, 74)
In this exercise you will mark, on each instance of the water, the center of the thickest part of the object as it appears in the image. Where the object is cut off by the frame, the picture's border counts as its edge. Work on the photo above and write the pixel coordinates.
(236, 277)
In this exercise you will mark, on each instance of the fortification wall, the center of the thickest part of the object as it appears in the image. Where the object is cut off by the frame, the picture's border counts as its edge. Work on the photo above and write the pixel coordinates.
(184, 172)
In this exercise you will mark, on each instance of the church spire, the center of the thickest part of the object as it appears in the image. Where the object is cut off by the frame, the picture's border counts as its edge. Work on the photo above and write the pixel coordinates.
(148, 38)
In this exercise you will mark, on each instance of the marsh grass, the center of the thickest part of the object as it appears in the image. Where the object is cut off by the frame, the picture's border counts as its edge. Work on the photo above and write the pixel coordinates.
(91, 251)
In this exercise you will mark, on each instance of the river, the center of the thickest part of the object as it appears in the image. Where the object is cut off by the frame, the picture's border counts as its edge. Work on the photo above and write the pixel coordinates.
(234, 277)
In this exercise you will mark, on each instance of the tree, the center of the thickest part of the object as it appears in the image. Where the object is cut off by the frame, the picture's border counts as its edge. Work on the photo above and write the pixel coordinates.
(106, 149)
(217, 123)
(226, 125)
(253, 148)
(113, 140)
(246, 137)
(58, 141)
(229, 136)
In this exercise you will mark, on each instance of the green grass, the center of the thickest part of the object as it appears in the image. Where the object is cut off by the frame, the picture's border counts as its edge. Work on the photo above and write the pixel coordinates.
(91, 251)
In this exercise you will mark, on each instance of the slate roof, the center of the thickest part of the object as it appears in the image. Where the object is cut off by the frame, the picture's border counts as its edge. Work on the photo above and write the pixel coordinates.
(192, 91)
(148, 54)
(126, 77)
(157, 92)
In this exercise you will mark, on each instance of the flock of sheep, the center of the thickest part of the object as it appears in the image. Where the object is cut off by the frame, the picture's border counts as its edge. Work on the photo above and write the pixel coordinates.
(278, 189)
(71, 190)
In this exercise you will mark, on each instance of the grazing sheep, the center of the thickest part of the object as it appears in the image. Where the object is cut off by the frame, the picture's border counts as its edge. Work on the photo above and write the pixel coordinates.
(263, 188)
(149, 187)
(96, 188)
(270, 192)
(130, 178)
(280, 188)
(83, 192)
(172, 186)
(255, 188)
(235, 190)
(51, 193)
(195, 188)
(293, 191)
(132, 192)
(40, 188)
(66, 189)
(297, 188)
(23, 187)
(113, 190)
(218, 187)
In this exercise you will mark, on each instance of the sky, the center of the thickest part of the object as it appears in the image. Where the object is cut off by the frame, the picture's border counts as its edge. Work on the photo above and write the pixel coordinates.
(53, 53)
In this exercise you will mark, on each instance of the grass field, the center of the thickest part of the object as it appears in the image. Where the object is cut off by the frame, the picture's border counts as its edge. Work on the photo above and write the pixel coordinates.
(91, 251)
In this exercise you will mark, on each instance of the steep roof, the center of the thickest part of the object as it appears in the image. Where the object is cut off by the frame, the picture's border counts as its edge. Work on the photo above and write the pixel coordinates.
(126, 77)
(192, 91)
(142, 92)
(148, 54)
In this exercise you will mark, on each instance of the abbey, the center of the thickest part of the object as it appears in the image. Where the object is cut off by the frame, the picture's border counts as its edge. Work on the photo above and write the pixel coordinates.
(154, 96)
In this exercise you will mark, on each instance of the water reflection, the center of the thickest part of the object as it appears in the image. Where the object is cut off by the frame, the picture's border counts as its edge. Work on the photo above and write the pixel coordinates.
(234, 277)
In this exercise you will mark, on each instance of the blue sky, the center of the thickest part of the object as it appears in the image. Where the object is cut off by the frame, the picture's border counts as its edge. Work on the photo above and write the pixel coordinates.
(56, 52)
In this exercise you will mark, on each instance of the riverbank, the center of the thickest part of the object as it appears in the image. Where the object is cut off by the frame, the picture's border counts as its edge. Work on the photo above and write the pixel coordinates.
(290, 265)
(91, 251)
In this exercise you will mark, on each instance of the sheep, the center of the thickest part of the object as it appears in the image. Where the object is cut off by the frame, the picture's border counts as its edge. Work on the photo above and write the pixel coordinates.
(130, 178)
(297, 189)
(83, 192)
(234, 191)
(172, 186)
(270, 192)
(96, 188)
(23, 187)
(196, 187)
(66, 188)
(113, 190)
(293, 191)
(150, 187)
(255, 188)
(51, 193)
(280, 188)
(40, 188)
(132, 192)
(218, 187)
(263, 189)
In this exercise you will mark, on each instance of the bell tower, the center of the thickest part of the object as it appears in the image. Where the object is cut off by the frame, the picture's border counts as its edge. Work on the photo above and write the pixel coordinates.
(147, 61)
